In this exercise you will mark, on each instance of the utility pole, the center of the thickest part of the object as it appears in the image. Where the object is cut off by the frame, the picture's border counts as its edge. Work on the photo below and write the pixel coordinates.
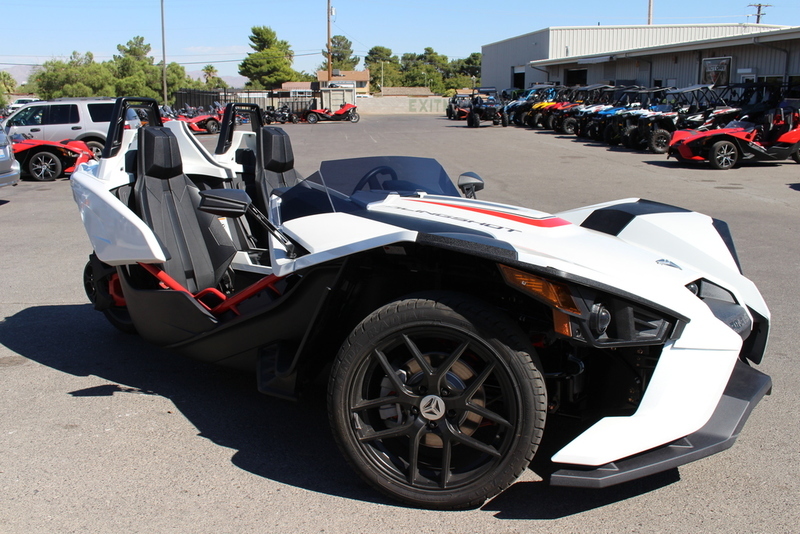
(163, 55)
(650, 13)
(759, 13)
(330, 65)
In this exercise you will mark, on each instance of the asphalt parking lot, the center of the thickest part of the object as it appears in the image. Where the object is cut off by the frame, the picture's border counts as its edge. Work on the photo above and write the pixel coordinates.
(101, 432)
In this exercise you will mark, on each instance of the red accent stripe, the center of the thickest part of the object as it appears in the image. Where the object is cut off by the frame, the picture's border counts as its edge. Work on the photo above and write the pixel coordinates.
(548, 222)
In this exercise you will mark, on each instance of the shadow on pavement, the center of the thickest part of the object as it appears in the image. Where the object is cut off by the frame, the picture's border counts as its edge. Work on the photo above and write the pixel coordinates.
(276, 439)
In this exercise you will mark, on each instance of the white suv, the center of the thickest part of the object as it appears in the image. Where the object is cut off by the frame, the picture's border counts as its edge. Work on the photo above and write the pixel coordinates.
(84, 119)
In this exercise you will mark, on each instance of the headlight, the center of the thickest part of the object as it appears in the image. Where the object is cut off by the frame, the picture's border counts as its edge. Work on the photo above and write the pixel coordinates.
(592, 316)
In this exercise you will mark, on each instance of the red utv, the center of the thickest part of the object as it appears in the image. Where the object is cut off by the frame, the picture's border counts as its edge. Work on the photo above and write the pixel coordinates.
(47, 160)
(775, 137)
(347, 112)
(201, 121)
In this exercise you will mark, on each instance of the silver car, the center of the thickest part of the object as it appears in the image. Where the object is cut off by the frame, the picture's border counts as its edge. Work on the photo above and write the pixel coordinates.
(9, 167)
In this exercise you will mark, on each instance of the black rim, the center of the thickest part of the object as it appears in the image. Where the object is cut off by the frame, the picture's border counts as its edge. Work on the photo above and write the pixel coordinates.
(433, 407)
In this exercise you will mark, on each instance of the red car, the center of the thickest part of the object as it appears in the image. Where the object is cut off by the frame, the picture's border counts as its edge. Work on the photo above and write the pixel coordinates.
(47, 160)
(776, 137)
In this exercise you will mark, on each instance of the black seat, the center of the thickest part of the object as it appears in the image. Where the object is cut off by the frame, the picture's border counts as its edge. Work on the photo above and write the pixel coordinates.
(198, 247)
(274, 164)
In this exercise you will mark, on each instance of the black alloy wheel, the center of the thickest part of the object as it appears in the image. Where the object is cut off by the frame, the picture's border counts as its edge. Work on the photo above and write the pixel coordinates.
(312, 118)
(437, 401)
(212, 126)
(723, 155)
(44, 166)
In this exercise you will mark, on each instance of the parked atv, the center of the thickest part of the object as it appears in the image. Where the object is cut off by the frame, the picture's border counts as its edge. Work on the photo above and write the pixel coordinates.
(486, 106)
(346, 112)
(47, 160)
(683, 108)
(776, 137)
(563, 118)
(200, 120)
(459, 107)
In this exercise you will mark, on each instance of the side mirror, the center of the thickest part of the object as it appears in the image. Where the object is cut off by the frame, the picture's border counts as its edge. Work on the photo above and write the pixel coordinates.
(470, 183)
(224, 202)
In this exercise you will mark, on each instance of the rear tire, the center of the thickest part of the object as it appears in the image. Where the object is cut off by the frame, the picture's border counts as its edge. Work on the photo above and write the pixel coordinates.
(354, 117)
(437, 401)
(118, 316)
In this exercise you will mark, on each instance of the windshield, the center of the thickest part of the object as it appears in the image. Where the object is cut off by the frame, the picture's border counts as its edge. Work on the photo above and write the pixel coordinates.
(348, 185)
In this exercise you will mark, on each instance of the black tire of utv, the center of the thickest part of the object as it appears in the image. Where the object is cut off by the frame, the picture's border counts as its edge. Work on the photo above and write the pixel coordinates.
(535, 121)
(212, 126)
(610, 135)
(550, 123)
(494, 334)
(116, 315)
(659, 141)
(96, 147)
(476, 120)
(354, 117)
(44, 166)
(630, 137)
(312, 118)
(723, 155)
(570, 126)
(593, 132)
(504, 120)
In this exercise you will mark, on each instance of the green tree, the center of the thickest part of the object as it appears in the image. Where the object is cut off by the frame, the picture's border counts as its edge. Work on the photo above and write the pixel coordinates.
(7, 82)
(384, 68)
(79, 76)
(342, 57)
(270, 64)
(7, 85)
(212, 79)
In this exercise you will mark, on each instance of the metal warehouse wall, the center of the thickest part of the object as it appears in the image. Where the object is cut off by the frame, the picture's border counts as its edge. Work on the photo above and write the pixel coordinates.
(580, 41)
(500, 58)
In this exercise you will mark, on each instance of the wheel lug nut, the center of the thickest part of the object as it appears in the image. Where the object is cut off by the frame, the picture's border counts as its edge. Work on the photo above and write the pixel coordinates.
(445, 392)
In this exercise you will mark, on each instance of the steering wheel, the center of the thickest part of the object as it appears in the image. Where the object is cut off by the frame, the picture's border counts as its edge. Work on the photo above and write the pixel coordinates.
(371, 177)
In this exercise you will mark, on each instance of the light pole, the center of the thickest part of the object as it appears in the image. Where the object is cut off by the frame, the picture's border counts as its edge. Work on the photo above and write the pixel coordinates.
(163, 55)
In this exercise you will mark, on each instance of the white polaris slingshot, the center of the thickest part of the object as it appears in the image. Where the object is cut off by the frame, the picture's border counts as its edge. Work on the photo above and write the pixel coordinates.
(460, 336)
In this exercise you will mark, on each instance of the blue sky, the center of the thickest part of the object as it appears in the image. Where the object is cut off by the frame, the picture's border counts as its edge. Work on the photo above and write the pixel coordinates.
(199, 32)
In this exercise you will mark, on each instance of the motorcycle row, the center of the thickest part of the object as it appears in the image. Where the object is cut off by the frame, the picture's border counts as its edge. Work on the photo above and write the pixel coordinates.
(723, 126)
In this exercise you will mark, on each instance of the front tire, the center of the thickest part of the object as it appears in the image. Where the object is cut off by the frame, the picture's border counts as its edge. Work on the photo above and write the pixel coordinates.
(312, 118)
(212, 126)
(437, 401)
(570, 125)
(44, 166)
(659, 141)
(723, 155)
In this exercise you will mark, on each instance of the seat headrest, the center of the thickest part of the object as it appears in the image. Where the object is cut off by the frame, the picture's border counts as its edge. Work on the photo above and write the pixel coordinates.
(276, 149)
(159, 155)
